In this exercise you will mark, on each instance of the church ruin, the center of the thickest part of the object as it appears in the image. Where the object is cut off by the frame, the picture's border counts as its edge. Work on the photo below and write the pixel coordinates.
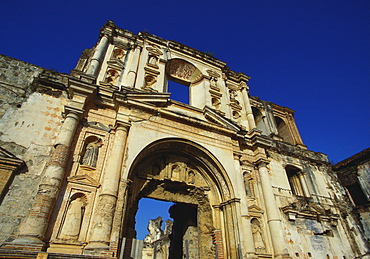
(79, 151)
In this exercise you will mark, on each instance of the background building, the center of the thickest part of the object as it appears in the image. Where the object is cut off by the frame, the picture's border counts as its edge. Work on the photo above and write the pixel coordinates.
(79, 151)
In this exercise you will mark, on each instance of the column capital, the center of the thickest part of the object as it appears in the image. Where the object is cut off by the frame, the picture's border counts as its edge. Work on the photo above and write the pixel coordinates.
(261, 162)
(237, 156)
(70, 111)
(244, 86)
(121, 125)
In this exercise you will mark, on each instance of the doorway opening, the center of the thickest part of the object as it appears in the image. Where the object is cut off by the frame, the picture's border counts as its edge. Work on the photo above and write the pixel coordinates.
(177, 238)
(150, 209)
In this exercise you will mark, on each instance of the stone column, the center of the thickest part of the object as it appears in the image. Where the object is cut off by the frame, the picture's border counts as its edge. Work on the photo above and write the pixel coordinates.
(33, 229)
(297, 140)
(302, 180)
(96, 59)
(132, 67)
(103, 218)
(273, 215)
(248, 108)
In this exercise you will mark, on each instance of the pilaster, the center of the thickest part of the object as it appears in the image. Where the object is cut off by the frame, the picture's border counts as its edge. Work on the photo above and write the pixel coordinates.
(98, 56)
(273, 215)
(248, 108)
(245, 229)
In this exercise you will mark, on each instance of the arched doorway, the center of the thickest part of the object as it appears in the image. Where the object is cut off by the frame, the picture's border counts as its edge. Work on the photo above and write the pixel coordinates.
(187, 174)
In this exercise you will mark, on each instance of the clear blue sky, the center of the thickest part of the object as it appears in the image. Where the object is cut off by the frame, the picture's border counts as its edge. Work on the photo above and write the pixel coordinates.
(310, 55)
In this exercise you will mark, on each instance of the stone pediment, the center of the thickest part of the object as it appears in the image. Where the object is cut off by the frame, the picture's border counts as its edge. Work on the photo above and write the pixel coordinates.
(6, 154)
(254, 208)
(83, 180)
(96, 125)
(8, 159)
(219, 119)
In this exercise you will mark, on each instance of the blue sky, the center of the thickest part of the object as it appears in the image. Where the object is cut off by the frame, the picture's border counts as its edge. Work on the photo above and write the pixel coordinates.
(312, 56)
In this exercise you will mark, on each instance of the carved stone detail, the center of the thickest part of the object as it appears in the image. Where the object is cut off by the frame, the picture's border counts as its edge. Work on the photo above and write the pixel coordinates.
(258, 238)
(74, 216)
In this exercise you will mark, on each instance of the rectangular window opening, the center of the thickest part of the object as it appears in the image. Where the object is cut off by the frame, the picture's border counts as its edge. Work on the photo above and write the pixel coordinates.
(179, 92)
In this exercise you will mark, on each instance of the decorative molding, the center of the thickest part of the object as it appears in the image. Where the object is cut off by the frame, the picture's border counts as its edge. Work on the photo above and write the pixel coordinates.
(221, 120)
(83, 180)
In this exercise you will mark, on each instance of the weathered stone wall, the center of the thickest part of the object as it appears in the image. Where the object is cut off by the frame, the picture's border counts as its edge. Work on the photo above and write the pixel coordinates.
(29, 123)
(364, 177)
(16, 79)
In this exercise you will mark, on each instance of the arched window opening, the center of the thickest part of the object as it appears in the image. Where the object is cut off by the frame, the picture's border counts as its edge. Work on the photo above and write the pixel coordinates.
(283, 130)
(297, 181)
(258, 118)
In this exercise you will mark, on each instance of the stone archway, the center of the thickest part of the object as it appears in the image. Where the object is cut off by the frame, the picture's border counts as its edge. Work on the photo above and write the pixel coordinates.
(182, 172)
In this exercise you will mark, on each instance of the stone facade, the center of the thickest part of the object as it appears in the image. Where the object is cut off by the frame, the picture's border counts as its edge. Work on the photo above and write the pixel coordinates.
(354, 175)
(86, 147)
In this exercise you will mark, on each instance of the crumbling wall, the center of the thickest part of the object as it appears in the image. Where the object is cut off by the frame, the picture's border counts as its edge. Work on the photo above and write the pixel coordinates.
(16, 79)
(364, 212)
(29, 123)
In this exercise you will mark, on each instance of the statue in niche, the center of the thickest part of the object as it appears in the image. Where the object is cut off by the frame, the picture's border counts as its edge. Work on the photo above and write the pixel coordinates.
(91, 153)
(191, 177)
(152, 60)
(248, 184)
(233, 96)
(72, 224)
(213, 82)
(259, 243)
(178, 171)
(175, 172)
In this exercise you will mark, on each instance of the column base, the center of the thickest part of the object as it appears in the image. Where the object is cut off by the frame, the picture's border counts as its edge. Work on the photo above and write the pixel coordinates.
(97, 246)
(32, 244)
(283, 256)
(250, 255)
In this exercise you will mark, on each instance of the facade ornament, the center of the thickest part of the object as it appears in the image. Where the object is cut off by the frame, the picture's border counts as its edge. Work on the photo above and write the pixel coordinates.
(112, 76)
(150, 81)
(248, 183)
(153, 56)
(152, 60)
(214, 76)
(91, 153)
(259, 242)
(119, 53)
(191, 177)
